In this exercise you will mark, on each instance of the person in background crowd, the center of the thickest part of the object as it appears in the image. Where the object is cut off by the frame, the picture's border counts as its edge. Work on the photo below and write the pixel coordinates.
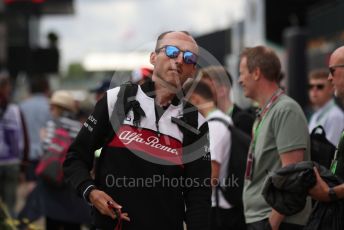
(11, 144)
(84, 110)
(36, 113)
(280, 137)
(223, 215)
(139, 75)
(101, 89)
(61, 206)
(327, 113)
(220, 82)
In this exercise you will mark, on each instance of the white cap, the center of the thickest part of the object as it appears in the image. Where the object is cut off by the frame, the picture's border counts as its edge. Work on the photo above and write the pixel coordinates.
(64, 99)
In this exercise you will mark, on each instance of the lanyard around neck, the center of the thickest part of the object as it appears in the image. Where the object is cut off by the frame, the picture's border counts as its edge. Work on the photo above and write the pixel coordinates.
(260, 119)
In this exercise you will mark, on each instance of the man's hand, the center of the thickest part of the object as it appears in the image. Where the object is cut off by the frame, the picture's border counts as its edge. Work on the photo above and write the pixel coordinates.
(100, 200)
(320, 190)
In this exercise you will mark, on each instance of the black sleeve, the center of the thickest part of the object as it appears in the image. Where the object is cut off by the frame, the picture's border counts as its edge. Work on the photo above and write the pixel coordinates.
(198, 196)
(92, 136)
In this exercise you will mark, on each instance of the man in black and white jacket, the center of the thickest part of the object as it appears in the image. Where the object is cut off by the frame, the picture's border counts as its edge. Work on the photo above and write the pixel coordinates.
(151, 174)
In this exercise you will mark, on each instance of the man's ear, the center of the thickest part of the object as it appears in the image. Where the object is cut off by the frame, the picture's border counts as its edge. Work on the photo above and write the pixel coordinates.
(152, 58)
(256, 74)
(222, 91)
(195, 99)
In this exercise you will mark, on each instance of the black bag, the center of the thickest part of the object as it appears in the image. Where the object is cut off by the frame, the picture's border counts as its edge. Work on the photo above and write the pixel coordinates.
(322, 150)
(327, 215)
(240, 143)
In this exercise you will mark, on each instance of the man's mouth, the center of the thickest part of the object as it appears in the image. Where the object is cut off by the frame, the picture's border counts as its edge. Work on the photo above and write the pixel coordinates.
(178, 71)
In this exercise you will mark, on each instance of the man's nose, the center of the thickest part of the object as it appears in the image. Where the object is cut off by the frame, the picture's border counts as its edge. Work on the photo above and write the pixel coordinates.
(239, 79)
(179, 58)
(330, 77)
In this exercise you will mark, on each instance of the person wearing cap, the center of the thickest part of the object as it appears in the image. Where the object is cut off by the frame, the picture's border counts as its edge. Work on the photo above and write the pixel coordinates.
(62, 102)
(101, 89)
(62, 208)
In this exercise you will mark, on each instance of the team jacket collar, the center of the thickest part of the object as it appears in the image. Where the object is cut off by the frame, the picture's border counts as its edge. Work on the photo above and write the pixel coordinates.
(148, 87)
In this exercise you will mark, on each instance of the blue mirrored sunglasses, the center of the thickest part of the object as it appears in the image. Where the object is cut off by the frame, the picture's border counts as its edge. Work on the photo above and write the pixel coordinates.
(173, 52)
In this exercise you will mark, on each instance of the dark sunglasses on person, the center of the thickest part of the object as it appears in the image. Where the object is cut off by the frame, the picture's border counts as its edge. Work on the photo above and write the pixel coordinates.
(332, 69)
(173, 52)
(317, 86)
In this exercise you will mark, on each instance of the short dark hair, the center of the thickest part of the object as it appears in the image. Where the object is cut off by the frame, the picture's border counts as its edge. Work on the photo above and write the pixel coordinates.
(39, 83)
(318, 74)
(265, 59)
(199, 88)
(217, 73)
(162, 35)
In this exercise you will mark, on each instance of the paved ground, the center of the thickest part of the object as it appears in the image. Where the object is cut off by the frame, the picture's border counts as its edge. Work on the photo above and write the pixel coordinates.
(22, 192)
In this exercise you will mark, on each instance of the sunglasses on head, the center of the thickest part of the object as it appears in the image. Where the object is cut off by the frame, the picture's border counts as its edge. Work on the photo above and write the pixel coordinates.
(317, 86)
(332, 69)
(173, 52)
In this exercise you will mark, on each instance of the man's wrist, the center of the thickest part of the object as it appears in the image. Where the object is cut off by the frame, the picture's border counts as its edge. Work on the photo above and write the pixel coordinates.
(332, 194)
(339, 189)
(87, 193)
